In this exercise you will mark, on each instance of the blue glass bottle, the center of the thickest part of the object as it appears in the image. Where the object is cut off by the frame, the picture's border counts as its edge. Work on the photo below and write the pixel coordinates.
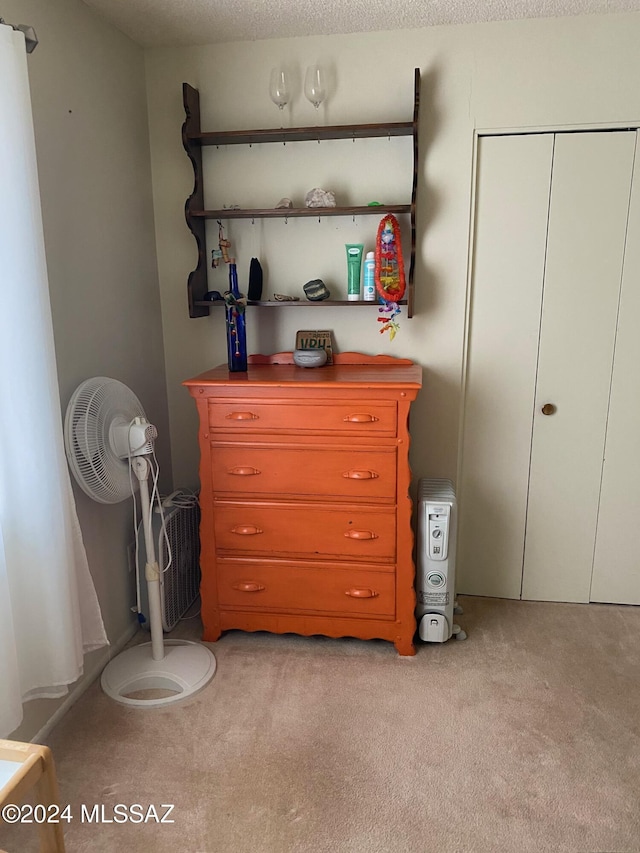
(236, 331)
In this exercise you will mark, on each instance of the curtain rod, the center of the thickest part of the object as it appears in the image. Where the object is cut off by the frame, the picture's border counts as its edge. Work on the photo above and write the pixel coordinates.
(30, 37)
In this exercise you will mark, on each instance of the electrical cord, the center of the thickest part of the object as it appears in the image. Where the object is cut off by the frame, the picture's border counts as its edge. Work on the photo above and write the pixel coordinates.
(178, 498)
(155, 474)
(132, 486)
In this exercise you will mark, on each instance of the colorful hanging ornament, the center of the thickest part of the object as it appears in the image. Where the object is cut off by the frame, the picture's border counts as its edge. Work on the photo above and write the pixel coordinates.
(389, 274)
(389, 311)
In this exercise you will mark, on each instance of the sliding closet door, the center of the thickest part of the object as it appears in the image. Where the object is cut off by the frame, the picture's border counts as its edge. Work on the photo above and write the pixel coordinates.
(512, 199)
(616, 569)
(590, 193)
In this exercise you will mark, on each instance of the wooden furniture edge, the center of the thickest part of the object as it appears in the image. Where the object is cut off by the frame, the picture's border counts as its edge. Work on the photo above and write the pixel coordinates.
(414, 193)
(338, 358)
(37, 773)
(197, 282)
(393, 631)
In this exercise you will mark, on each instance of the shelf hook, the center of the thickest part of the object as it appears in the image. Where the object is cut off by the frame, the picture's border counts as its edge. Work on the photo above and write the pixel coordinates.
(286, 220)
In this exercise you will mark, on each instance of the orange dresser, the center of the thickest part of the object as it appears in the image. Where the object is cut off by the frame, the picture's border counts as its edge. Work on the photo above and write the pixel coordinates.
(306, 514)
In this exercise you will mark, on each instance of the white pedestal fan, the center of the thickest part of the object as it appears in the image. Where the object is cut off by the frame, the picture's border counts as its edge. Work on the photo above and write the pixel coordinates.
(109, 446)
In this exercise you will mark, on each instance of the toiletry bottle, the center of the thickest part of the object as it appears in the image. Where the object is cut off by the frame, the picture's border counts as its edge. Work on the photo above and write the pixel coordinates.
(370, 277)
(354, 270)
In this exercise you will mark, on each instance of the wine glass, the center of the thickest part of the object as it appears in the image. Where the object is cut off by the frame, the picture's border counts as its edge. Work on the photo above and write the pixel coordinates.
(314, 88)
(279, 87)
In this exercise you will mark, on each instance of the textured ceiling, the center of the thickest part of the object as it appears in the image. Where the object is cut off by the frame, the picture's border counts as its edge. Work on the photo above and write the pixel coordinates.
(190, 22)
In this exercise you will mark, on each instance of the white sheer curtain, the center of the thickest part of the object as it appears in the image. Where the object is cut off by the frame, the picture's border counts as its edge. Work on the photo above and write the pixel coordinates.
(49, 612)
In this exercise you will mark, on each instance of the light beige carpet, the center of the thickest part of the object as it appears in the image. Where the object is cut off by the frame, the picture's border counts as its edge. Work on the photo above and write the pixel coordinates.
(524, 738)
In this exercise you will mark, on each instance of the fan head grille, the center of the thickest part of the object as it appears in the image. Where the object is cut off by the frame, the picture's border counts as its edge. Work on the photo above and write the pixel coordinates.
(96, 407)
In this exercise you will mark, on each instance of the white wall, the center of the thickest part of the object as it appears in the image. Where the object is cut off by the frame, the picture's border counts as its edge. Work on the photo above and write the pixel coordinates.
(89, 105)
(525, 74)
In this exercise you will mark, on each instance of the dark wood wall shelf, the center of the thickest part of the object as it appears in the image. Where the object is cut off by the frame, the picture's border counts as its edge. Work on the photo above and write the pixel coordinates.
(291, 212)
(303, 134)
(302, 303)
(196, 215)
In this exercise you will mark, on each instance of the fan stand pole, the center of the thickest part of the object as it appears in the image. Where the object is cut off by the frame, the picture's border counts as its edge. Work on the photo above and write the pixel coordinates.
(141, 468)
(180, 667)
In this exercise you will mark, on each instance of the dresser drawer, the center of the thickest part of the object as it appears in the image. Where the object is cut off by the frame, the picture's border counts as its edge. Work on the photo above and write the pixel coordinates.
(306, 588)
(306, 530)
(287, 416)
(348, 473)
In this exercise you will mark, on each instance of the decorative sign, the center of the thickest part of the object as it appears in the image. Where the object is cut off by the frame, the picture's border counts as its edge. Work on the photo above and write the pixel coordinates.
(315, 340)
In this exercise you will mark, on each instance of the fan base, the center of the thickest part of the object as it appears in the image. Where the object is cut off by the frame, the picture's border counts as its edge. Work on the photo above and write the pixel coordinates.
(185, 670)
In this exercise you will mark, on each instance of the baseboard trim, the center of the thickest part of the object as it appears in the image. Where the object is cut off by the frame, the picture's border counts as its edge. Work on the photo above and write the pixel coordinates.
(85, 681)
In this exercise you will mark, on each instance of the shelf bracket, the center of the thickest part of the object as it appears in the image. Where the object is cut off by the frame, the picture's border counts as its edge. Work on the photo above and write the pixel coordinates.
(197, 283)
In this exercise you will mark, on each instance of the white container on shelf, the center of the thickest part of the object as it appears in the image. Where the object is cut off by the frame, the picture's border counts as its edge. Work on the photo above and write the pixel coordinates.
(369, 281)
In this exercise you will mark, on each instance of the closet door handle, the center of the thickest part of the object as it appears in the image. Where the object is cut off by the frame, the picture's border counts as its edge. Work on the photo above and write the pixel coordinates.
(361, 475)
(242, 416)
(356, 592)
(248, 586)
(549, 409)
(243, 471)
(246, 530)
(361, 418)
(361, 534)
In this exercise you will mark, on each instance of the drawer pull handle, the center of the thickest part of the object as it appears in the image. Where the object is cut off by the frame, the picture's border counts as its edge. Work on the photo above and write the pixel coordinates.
(246, 530)
(242, 416)
(248, 586)
(361, 475)
(361, 418)
(361, 534)
(356, 592)
(243, 471)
